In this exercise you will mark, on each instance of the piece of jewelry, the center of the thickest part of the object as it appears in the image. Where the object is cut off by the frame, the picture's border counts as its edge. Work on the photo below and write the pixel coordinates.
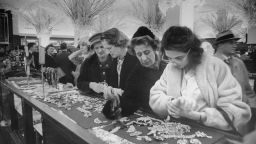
(85, 112)
(131, 129)
(97, 121)
(146, 138)
(195, 141)
(182, 141)
(130, 123)
(158, 138)
(202, 134)
(124, 119)
(136, 133)
(115, 129)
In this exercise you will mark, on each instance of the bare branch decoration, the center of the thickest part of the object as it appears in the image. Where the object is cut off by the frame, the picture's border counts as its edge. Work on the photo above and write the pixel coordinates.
(149, 13)
(82, 13)
(247, 10)
(222, 21)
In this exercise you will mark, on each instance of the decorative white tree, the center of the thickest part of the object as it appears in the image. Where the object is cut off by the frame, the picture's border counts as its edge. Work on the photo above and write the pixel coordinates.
(82, 13)
(41, 18)
(42, 21)
(222, 21)
(247, 11)
(149, 13)
(107, 20)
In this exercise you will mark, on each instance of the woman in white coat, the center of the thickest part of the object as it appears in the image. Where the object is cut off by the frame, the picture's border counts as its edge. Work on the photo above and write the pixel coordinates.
(197, 86)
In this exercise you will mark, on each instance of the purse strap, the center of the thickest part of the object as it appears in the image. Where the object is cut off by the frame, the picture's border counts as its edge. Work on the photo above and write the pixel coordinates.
(226, 117)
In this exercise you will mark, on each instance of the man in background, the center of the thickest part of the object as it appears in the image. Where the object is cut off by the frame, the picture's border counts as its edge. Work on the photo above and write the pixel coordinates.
(225, 50)
(33, 55)
(65, 64)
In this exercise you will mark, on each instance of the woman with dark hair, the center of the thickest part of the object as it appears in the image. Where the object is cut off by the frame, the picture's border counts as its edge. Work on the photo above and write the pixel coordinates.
(33, 55)
(51, 52)
(197, 86)
(141, 79)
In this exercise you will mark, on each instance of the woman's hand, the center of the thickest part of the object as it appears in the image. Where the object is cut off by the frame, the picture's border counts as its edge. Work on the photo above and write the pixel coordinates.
(172, 109)
(112, 93)
(96, 87)
(182, 107)
(186, 104)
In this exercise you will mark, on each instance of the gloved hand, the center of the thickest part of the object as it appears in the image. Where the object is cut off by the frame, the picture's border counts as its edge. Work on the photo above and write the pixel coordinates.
(96, 87)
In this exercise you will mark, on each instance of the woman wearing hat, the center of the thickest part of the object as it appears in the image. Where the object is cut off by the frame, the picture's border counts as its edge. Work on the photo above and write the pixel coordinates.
(96, 70)
(141, 79)
(197, 86)
(226, 47)
(79, 56)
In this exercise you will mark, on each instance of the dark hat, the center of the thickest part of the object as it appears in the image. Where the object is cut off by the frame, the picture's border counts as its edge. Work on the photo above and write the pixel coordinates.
(225, 36)
(143, 31)
(95, 38)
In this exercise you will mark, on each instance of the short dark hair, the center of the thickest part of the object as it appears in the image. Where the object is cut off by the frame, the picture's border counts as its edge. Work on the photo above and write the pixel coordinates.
(31, 44)
(182, 39)
(48, 46)
(143, 40)
(63, 46)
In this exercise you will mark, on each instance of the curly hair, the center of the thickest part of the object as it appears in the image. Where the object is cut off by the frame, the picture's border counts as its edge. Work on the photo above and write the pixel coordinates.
(182, 39)
(143, 40)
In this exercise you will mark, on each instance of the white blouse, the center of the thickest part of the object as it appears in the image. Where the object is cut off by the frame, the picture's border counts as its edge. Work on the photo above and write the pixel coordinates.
(190, 89)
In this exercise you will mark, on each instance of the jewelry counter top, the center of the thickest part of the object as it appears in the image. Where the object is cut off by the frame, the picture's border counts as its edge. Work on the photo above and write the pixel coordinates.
(81, 115)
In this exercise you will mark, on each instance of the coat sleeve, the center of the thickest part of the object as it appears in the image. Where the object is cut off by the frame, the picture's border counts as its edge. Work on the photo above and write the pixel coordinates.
(229, 99)
(129, 101)
(135, 93)
(158, 95)
(82, 81)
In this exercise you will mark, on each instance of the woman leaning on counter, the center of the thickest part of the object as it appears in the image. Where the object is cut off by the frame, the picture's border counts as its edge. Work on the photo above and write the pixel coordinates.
(141, 79)
(195, 85)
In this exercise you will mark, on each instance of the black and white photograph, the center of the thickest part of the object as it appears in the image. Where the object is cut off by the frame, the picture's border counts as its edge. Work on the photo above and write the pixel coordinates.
(127, 71)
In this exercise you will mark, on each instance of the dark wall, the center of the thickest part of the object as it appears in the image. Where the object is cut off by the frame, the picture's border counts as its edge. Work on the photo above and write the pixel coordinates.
(4, 27)
(7, 39)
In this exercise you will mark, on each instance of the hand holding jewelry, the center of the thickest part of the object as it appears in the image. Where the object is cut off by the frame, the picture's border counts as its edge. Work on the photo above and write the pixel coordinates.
(172, 108)
(186, 103)
(113, 94)
(96, 87)
(181, 107)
